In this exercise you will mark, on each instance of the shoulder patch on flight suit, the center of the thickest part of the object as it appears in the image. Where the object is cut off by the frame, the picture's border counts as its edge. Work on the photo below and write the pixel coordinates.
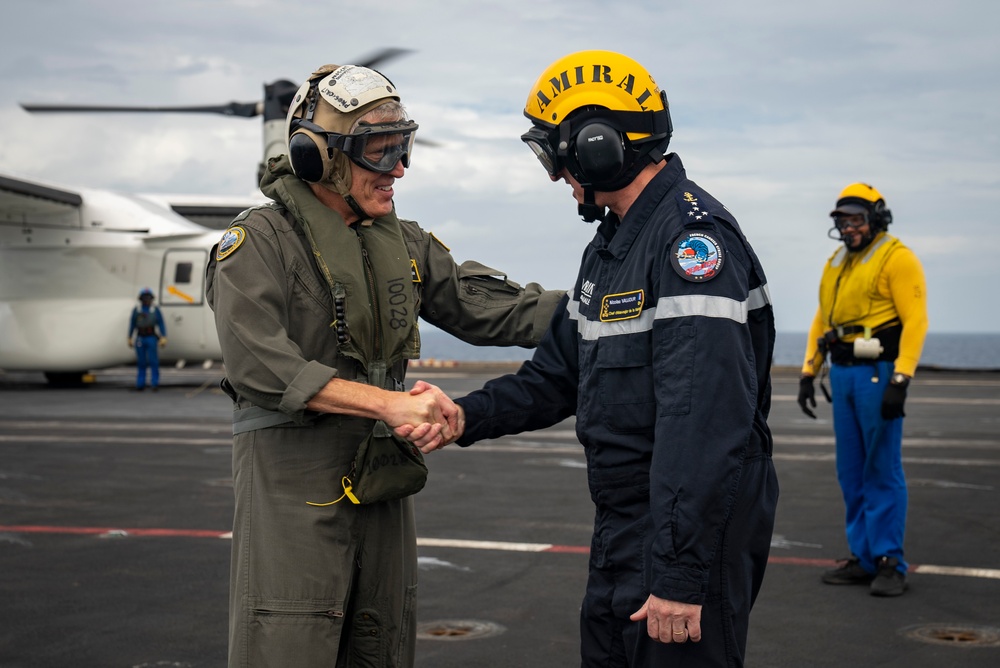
(231, 240)
(439, 241)
(415, 271)
(697, 256)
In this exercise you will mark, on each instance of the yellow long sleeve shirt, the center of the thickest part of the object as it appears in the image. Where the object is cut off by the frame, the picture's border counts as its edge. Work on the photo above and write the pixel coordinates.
(878, 284)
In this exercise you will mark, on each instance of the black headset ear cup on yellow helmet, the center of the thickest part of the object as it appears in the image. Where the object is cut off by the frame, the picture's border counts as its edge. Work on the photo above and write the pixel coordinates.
(881, 215)
(600, 153)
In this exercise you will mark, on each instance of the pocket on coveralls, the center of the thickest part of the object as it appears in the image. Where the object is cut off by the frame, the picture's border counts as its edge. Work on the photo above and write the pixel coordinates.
(625, 381)
(284, 633)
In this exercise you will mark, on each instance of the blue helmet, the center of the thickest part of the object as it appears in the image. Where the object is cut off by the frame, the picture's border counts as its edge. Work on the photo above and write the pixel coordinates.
(146, 292)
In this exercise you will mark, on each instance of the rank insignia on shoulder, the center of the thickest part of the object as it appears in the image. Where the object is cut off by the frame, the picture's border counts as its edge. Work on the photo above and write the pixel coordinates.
(623, 306)
(415, 271)
(697, 257)
(231, 240)
(691, 209)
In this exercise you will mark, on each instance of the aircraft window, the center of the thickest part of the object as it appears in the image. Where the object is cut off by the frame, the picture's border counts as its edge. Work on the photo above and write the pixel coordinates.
(182, 274)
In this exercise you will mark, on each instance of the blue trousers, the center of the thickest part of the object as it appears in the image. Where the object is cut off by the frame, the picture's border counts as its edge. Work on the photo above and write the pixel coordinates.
(147, 356)
(620, 575)
(869, 463)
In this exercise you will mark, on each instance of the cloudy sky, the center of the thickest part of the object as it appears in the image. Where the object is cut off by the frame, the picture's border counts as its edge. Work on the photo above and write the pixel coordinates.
(777, 105)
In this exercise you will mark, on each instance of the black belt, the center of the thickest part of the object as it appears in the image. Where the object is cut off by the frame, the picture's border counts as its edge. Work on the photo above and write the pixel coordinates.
(842, 352)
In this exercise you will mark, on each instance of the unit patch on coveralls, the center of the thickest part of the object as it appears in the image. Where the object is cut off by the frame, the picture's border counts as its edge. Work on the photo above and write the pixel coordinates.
(622, 306)
(697, 257)
(231, 240)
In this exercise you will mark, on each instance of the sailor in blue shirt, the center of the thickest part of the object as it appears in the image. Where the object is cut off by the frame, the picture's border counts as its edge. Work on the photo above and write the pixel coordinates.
(147, 333)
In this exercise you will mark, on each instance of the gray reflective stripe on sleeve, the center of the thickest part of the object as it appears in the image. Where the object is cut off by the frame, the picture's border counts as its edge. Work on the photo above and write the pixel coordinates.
(255, 417)
(759, 298)
(679, 306)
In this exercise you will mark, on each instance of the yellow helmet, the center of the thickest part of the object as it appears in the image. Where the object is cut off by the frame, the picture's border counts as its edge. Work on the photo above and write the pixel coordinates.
(600, 115)
(592, 78)
(861, 198)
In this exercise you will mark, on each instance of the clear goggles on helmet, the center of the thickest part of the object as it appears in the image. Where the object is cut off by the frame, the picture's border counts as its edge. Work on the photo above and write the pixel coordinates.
(850, 221)
(540, 141)
(378, 147)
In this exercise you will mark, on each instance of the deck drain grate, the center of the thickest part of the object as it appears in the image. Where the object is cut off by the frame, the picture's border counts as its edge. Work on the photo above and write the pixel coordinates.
(461, 629)
(955, 635)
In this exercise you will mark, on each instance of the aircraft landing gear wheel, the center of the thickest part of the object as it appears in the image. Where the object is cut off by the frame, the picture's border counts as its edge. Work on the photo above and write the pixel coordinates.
(68, 378)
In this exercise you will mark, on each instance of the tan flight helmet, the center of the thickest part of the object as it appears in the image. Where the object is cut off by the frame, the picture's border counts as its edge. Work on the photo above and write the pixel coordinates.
(323, 130)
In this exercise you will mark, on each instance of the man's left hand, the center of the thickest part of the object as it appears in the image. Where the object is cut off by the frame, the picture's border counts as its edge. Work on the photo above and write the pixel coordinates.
(670, 621)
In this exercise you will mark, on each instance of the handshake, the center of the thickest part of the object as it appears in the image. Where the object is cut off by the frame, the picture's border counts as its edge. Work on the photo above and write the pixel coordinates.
(426, 417)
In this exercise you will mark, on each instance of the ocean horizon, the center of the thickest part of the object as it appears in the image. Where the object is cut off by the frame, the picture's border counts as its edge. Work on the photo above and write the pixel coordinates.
(969, 351)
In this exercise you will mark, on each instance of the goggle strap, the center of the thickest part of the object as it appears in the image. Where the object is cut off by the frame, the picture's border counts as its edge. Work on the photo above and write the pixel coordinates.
(649, 122)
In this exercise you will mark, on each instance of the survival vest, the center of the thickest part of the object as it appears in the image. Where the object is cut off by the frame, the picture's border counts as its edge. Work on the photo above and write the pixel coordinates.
(848, 293)
(368, 270)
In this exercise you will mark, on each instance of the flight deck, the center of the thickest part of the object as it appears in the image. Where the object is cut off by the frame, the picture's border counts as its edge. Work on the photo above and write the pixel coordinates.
(116, 507)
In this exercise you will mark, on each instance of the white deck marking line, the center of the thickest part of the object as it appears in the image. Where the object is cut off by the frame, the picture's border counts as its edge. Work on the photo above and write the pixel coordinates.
(462, 544)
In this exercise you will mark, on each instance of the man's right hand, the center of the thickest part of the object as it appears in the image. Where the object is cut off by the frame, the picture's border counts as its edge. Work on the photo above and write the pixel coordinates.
(429, 437)
(807, 395)
(425, 404)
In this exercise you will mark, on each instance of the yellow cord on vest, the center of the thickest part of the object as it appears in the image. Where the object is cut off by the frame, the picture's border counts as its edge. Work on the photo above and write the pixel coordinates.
(348, 486)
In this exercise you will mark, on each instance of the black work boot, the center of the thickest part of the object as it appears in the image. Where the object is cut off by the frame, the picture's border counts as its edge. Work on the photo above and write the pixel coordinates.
(849, 572)
(888, 581)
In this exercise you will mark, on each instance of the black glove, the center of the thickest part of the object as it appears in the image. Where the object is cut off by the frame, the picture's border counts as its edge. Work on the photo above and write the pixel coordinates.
(807, 395)
(892, 400)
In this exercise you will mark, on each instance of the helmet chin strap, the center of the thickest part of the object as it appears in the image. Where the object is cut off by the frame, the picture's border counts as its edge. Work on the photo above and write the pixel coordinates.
(340, 186)
(355, 207)
(588, 208)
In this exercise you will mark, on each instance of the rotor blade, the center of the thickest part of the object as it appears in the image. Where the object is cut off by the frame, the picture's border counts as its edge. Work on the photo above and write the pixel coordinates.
(242, 109)
(380, 56)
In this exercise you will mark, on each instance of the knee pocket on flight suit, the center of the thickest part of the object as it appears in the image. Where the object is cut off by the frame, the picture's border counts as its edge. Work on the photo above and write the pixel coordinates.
(278, 630)
(373, 643)
(367, 639)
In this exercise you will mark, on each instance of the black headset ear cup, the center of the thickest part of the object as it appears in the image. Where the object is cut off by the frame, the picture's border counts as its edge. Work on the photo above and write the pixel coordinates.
(882, 216)
(600, 153)
(305, 156)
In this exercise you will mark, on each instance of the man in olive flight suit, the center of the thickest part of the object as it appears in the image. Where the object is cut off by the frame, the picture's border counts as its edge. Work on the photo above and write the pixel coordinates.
(316, 297)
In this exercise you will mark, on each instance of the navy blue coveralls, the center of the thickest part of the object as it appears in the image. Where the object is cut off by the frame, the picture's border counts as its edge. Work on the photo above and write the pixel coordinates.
(668, 376)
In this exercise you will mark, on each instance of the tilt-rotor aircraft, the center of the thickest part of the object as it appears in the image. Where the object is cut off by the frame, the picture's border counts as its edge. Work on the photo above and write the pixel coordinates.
(72, 261)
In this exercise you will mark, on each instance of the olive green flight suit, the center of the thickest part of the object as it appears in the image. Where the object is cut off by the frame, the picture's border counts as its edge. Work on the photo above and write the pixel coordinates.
(332, 585)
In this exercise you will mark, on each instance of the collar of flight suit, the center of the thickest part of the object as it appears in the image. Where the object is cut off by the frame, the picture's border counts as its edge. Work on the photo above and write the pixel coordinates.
(616, 236)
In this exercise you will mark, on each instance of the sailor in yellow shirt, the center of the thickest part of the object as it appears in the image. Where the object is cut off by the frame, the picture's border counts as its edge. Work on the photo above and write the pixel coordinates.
(871, 321)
